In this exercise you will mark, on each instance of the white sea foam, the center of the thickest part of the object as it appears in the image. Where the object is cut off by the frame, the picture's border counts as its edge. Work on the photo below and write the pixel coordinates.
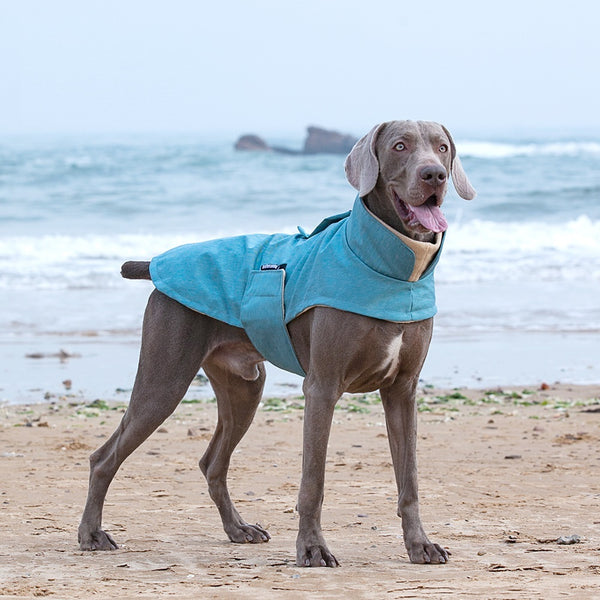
(495, 150)
(488, 251)
(580, 234)
(474, 251)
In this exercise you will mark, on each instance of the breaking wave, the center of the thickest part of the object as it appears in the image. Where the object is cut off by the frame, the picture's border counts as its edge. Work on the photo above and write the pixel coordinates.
(477, 251)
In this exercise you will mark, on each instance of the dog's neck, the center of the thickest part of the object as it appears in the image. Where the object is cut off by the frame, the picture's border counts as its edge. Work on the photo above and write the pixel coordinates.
(386, 250)
(424, 250)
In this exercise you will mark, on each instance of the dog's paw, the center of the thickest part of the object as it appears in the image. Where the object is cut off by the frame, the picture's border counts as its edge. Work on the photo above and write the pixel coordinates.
(244, 533)
(315, 556)
(97, 540)
(428, 553)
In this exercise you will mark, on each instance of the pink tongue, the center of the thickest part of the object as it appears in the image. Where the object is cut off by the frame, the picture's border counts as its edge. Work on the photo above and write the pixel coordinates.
(430, 216)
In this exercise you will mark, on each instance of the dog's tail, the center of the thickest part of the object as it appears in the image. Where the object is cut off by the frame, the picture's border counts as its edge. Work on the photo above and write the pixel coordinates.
(136, 269)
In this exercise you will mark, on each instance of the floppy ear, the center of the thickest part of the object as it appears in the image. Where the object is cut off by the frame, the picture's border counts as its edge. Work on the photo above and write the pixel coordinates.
(362, 166)
(459, 177)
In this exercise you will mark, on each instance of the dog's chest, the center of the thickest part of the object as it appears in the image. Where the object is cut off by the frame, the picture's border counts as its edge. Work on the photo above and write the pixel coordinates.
(391, 360)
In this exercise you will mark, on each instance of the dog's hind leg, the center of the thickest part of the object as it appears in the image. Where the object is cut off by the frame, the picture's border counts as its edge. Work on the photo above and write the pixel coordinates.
(173, 345)
(238, 386)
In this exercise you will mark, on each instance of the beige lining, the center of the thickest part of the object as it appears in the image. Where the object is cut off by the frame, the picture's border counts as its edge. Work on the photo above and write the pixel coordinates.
(424, 251)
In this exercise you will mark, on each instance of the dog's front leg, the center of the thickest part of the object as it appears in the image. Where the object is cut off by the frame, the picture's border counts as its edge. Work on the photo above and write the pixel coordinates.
(399, 402)
(311, 549)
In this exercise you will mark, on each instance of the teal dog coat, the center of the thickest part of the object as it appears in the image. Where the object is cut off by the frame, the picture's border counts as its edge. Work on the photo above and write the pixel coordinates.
(352, 262)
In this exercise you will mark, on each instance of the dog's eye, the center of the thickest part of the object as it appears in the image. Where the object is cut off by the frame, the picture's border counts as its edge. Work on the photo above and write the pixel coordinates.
(443, 148)
(399, 146)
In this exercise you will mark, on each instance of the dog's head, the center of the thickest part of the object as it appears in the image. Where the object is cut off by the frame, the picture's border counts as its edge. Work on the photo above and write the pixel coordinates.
(401, 169)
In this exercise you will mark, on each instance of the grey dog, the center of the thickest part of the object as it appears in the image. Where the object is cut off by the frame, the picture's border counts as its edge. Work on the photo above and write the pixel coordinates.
(401, 170)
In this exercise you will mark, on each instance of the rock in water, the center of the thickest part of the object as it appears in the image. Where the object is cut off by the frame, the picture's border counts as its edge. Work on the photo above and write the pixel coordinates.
(318, 141)
(252, 142)
(321, 141)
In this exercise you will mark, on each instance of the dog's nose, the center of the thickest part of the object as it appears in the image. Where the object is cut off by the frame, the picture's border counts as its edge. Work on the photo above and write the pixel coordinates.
(434, 175)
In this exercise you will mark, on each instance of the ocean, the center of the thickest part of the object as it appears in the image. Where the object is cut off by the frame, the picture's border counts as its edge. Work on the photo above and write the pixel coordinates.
(518, 284)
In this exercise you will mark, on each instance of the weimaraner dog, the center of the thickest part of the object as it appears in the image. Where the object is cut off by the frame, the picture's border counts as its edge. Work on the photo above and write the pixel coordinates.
(400, 169)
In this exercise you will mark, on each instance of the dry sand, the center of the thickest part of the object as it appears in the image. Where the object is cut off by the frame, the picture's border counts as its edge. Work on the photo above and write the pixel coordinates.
(502, 476)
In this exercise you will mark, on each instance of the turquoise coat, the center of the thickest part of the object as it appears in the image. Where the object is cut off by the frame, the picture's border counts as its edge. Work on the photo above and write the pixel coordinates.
(260, 282)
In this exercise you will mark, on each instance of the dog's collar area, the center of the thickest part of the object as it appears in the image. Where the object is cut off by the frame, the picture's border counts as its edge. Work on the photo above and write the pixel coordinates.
(387, 251)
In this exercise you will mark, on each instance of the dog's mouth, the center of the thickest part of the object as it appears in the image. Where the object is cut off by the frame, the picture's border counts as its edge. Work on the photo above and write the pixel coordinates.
(427, 215)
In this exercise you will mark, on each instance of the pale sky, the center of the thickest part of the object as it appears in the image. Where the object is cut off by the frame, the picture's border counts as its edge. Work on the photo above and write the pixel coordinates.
(274, 66)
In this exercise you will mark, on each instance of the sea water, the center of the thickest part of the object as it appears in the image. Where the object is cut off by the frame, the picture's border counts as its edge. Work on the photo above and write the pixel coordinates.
(518, 284)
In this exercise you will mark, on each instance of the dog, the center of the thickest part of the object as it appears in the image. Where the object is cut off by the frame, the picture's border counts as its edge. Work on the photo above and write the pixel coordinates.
(400, 170)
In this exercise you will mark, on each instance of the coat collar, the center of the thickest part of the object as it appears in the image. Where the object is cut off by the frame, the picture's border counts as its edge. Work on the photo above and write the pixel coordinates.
(387, 251)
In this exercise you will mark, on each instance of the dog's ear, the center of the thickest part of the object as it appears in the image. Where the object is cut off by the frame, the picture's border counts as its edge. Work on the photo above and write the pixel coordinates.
(362, 165)
(459, 178)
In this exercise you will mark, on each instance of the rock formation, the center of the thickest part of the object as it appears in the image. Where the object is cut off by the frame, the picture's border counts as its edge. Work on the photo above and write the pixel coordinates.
(318, 141)
(251, 142)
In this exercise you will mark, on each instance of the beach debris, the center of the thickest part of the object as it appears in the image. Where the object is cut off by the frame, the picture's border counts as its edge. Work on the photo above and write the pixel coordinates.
(62, 355)
(166, 568)
(73, 445)
(34, 422)
(563, 540)
(571, 438)
(498, 568)
(512, 456)
(199, 433)
(97, 406)
(567, 540)
(544, 386)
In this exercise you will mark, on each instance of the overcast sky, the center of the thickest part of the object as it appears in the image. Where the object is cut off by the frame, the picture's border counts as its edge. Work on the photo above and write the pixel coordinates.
(275, 66)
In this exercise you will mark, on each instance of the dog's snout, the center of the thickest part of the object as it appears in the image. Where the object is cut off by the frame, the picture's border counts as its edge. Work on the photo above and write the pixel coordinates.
(433, 175)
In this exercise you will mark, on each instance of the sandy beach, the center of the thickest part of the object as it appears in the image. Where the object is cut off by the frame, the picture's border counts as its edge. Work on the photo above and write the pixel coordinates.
(119, 131)
(504, 473)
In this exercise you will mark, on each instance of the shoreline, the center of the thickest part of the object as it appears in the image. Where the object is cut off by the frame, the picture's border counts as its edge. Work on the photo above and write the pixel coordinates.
(104, 366)
(430, 399)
